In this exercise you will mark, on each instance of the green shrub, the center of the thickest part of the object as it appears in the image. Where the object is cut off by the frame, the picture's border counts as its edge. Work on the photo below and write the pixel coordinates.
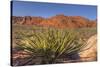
(50, 43)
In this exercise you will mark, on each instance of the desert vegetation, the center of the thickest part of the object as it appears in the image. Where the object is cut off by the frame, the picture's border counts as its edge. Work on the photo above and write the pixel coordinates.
(45, 45)
(34, 43)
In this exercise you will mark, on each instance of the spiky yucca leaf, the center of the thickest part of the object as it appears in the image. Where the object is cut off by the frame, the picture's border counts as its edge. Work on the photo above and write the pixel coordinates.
(51, 43)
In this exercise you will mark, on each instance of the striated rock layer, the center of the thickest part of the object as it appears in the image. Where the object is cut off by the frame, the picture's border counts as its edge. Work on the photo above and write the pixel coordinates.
(60, 21)
(90, 51)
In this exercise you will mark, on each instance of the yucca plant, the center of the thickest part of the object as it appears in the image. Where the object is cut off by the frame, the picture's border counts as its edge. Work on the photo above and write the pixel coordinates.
(50, 43)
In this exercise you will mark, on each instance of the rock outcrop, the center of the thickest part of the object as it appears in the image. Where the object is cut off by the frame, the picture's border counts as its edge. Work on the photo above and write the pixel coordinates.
(60, 21)
(90, 51)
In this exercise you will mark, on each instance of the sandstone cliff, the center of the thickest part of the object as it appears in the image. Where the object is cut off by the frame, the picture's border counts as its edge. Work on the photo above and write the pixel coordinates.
(60, 21)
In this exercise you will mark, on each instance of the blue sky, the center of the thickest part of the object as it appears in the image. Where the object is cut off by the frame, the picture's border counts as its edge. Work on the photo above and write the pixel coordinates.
(22, 8)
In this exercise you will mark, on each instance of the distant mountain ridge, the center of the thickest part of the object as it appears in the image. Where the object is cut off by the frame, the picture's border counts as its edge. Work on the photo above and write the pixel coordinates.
(60, 21)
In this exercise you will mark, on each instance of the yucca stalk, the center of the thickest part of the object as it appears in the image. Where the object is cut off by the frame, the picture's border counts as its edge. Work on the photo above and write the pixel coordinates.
(50, 43)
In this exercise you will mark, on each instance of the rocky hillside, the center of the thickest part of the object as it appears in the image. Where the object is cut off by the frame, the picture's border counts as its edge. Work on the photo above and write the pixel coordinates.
(60, 21)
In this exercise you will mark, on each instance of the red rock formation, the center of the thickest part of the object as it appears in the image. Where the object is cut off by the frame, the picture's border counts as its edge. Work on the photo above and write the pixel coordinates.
(60, 21)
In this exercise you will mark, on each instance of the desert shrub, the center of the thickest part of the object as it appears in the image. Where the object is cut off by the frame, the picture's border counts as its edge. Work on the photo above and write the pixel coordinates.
(85, 31)
(49, 44)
